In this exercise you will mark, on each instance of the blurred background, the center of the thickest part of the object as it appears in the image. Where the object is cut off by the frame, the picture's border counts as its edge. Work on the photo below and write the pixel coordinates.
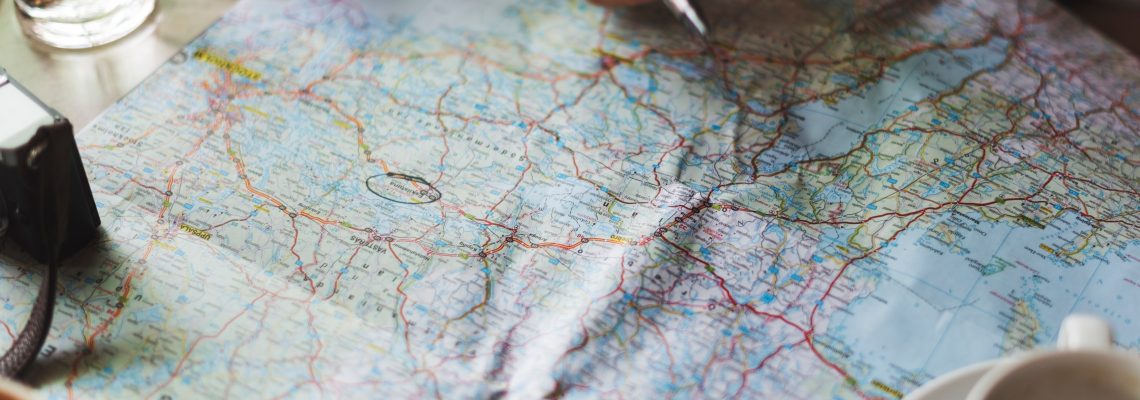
(1117, 19)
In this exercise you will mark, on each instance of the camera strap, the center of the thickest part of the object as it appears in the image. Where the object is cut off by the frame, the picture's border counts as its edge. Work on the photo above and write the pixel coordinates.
(49, 165)
(32, 336)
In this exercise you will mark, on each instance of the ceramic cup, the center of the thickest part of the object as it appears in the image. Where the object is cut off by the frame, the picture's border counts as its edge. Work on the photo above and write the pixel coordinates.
(1084, 366)
(10, 390)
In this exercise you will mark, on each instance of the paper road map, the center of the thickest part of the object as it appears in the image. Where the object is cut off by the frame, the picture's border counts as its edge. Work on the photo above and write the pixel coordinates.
(543, 198)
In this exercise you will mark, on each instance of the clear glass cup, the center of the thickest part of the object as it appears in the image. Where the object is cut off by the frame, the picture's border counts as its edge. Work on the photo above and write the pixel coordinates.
(81, 24)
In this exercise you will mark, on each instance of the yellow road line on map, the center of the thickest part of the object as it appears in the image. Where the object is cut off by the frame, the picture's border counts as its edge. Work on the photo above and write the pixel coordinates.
(263, 114)
(233, 67)
(1078, 249)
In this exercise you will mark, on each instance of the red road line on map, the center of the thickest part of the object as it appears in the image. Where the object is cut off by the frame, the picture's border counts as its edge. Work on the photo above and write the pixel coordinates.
(8, 330)
(760, 366)
(400, 289)
(166, 197)
(582, 318)
(196, 342)
(240, 166)
(320, 347)
(336, 282)
(293, 250)
(134, 140)
(720, 282)
(664, 342)
(442, 135)
(729, 295)
(234, 353)
(680, 143)
(89, 341)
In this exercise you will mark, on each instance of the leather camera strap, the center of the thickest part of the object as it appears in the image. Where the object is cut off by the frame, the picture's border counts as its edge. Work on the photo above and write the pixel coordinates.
(53, 186)
(32, 336)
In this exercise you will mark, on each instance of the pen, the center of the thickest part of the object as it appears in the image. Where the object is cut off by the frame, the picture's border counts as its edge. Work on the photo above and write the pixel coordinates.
(689, 15)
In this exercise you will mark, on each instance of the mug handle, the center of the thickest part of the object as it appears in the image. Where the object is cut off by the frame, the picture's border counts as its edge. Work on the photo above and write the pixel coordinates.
(1084, 332)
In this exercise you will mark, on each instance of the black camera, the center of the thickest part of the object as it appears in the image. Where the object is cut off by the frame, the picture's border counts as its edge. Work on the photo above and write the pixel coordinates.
(46, 206)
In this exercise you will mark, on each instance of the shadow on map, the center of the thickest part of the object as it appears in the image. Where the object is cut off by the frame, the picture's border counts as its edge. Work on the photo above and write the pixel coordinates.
(79, 280)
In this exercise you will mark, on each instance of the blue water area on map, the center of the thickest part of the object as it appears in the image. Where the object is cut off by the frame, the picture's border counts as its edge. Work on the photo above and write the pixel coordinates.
(935, 309)
(831, 129)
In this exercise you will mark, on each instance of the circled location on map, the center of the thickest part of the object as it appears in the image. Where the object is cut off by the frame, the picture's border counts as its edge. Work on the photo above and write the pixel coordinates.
(403, 188)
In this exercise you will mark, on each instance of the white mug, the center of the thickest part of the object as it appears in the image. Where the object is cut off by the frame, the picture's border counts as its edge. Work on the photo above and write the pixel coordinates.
(11, 390)
(1084, 366)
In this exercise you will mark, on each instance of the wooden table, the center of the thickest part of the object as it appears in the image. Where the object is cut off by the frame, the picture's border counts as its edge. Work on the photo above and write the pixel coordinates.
(81, 84)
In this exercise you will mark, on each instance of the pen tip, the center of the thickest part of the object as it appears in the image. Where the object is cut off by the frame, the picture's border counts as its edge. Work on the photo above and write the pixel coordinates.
(691, 16)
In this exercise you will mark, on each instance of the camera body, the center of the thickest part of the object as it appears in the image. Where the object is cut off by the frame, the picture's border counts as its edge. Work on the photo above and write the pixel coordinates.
(46, 206)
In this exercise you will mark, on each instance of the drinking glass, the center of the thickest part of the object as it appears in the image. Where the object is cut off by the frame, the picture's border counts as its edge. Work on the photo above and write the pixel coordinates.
(80, 24)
